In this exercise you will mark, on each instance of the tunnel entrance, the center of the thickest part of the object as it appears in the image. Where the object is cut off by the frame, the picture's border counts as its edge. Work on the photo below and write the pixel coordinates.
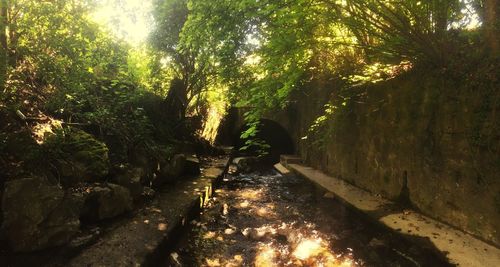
(270, 131)
(273, 134)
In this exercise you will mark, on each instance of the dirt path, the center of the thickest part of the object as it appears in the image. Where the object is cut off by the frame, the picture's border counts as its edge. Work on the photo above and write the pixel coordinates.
(265, 219)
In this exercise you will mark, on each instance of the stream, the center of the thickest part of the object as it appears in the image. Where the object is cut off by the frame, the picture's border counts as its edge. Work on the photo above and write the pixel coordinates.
(266, 219)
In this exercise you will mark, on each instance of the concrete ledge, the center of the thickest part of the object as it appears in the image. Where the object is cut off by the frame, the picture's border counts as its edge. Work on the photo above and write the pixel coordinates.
(281, 169)
(142, 239)
(460, 248)
(290, 159)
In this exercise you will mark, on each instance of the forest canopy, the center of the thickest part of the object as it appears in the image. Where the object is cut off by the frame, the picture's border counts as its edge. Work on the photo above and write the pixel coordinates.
(264, 50)
(210, 54)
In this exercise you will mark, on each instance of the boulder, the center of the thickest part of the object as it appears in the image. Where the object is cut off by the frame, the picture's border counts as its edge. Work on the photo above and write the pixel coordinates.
(78, 156)
(245, 164)
(171, 170)
(130, 179)
(187, 147)
(176, 165)
(148, 192)
(39, 215)
(192, 166)
(142, 159)
(105, 201)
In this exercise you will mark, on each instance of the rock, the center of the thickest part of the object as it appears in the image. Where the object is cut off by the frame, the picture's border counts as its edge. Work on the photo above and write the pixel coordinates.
(176, 165)
(130, 179)
(171, 171)
(229, 231)
(86, 239)
(245, 164)
(187, 147)
(259, 233)
(105, 201)
(79, 158)
(192, 166)
(225, 209)
(175, 258)
(374, 258)
(148, 192)
(376, 243)
(144, 161)
(39, 215)
(329, 195)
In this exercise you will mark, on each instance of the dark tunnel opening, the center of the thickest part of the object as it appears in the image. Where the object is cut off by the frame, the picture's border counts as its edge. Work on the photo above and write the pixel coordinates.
(273, 134)
(270, 131)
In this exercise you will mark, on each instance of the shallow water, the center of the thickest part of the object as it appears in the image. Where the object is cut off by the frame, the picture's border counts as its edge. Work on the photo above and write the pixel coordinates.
(265, 219)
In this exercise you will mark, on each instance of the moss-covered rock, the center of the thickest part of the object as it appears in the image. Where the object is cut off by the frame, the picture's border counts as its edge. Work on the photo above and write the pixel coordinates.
(105, 201)
(77, 156)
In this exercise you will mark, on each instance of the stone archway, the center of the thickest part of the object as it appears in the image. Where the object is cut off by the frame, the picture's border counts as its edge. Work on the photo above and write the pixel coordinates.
(275, 135)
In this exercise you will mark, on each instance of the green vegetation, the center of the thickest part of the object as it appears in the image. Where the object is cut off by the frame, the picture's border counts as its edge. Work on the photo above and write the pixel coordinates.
(63, 74)
(96, 118)
(58, 65)
(265, 50)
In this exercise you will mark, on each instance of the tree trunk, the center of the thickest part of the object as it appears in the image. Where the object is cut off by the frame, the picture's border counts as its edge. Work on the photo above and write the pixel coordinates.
(3, 44)
(492, 25)
(176, 100)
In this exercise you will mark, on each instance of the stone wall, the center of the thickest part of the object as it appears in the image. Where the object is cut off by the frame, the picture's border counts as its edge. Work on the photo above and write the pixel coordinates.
(429, 139)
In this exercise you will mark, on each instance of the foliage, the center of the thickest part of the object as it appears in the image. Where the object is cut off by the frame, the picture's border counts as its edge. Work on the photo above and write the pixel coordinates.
(216, 103)
(188, 63)
(262, 49)
(254, 54)
(265, 50)
(64, 65)
(405, 30)
(42, 55)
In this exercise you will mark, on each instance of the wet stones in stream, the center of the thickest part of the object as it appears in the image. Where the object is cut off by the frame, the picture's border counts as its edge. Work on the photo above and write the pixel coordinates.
(265, 219)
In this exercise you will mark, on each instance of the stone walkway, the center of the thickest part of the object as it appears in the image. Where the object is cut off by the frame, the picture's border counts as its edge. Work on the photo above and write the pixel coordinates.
(138, 241)
(461, 248)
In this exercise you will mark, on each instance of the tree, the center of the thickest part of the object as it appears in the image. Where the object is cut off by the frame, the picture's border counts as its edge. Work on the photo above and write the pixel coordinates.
(3, 44)
(492, 25)
(403, 29)
(263, 50)
(192, 70)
